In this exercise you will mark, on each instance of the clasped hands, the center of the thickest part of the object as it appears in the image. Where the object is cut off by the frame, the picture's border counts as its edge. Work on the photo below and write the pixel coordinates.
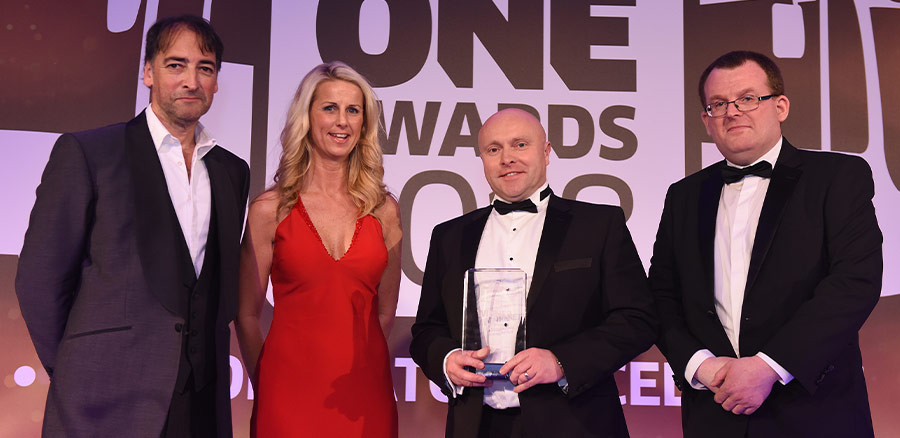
(527, 368)
(740, 385)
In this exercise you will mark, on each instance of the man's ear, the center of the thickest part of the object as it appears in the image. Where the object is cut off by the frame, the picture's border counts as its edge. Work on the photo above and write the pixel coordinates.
(148, 74)
(782, 107)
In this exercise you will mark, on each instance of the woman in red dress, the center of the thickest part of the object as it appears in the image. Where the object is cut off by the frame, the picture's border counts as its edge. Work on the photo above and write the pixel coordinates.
(328, 234)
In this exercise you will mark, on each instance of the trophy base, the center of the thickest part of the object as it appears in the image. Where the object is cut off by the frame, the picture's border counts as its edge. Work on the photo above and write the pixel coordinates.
(492, 371)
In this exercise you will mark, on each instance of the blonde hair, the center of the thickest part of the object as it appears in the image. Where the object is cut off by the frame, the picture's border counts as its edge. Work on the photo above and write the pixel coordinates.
(366, 173)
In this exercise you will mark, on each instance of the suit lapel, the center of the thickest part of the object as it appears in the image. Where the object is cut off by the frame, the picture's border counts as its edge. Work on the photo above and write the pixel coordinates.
(225, 209)
(781, 186)
(161, 245)
(556, 225)
(471, 237)
(708, 208)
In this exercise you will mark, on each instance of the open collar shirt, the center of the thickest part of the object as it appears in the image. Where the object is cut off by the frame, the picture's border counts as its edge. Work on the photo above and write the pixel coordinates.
(191, 197)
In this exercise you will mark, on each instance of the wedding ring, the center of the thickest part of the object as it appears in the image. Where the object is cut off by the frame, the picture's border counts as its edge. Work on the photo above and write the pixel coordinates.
(527, 377)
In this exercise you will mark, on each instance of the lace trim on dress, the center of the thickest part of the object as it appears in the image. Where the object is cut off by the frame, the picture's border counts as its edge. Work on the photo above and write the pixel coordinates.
(305, 215)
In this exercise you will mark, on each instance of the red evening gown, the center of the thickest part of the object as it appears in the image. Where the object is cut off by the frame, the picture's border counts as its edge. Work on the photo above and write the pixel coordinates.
(324, 368)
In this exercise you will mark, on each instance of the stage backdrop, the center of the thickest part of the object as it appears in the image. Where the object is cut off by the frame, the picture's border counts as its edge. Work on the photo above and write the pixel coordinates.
(614, 83)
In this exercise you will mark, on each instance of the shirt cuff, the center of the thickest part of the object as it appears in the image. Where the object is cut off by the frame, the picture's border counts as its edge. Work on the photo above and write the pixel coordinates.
(693, 365)
(563, 385)
(454, 390)
(783, 375)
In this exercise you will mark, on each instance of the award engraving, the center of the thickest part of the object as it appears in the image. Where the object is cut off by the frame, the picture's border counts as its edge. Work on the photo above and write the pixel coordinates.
(494, 315)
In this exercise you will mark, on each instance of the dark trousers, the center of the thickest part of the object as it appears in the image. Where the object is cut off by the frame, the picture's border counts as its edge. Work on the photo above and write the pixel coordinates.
(192, 413)
(497, 423)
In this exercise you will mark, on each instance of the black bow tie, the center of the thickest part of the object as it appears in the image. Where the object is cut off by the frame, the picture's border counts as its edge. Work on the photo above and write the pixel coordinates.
(733, 174)
(523, 205)
(504, 207)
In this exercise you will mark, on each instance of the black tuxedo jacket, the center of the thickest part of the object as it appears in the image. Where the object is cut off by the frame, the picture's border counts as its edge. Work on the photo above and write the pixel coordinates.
(589, 304)
(814, 277)
(103, 281)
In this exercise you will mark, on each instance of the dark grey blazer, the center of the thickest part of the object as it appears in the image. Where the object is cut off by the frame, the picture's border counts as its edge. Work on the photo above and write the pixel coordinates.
(814, 277)
(101, 283)
(589, 304)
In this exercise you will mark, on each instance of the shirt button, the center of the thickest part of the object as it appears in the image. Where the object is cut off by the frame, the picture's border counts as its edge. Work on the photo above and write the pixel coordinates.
(178, 327)
(510, 259)
(514, 229)
(180, 163)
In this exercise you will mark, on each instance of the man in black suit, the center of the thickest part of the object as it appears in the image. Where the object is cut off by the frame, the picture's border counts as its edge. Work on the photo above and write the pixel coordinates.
(762, 276)
(128, 276)
(589, 310)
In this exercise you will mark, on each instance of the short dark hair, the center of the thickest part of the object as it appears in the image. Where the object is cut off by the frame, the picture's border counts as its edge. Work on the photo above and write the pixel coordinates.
(736, 59)
(162, 33)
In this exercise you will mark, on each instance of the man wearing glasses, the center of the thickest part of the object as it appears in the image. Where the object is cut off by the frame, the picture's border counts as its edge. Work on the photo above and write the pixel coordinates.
(765, 266)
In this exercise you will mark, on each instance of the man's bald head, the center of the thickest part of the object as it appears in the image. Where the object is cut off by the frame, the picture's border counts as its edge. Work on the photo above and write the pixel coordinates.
(515, 115)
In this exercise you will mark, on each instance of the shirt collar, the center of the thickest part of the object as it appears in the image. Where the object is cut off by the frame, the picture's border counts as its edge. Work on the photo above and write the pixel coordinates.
(771, 156)
(162, 138)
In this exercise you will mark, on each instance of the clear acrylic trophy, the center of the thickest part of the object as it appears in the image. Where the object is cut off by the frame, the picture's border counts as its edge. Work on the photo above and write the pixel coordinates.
(494, 315)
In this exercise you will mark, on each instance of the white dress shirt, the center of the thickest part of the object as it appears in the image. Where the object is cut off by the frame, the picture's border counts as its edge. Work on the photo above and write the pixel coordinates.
(740, 204)
(509, 241)
(191, 198)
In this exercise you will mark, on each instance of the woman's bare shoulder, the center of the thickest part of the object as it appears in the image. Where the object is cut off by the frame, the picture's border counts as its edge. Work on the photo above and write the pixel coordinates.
(389, 211)
(263, 208)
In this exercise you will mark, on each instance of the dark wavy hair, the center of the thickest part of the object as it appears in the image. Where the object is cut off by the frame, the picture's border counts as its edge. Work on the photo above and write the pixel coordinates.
(163, 33)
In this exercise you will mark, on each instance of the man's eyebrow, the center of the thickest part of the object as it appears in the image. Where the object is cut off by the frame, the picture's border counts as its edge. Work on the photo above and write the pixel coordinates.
(185, 60)
(742, 93)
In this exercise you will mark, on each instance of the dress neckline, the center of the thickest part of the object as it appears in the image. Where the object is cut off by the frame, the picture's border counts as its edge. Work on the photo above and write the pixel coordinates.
(312, 227)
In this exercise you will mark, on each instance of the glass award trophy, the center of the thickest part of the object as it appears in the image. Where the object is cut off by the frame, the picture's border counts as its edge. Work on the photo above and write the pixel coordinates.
(494, 315)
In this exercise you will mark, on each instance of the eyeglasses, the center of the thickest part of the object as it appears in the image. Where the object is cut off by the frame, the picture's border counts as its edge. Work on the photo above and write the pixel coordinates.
(743, 104)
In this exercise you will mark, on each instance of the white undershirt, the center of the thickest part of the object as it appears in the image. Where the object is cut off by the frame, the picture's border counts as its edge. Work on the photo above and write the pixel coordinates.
(740, 205)
(192, 199)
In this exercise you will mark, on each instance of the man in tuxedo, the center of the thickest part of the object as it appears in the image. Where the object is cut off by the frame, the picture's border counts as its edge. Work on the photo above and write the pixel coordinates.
(762, 276)
(128, 276)
(589, 310)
